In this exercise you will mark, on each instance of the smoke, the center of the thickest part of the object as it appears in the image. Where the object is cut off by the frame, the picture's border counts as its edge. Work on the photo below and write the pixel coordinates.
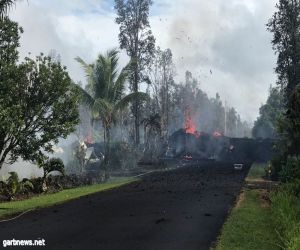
(225, 44)
(228, 38)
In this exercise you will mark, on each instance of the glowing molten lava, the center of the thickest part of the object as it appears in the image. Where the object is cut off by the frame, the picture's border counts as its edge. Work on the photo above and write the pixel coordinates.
(189, 124)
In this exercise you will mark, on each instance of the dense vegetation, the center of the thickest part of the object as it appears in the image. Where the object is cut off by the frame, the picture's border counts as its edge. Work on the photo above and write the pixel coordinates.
(285, 27)
(280, 116)
(38, 101)
(266, 125)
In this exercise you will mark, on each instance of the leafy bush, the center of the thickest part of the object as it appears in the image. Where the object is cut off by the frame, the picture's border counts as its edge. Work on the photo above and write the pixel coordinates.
(286, 214)
(39, 185)
(25, 186)
(12, 186)
(276, 167)
(54, 164)
(55, 183)
(291, 170)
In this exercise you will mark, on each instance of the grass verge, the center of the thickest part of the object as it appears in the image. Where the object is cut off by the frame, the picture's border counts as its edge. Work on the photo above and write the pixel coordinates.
(286, 214)
(249, 224)
(10, 208)
(256, 172)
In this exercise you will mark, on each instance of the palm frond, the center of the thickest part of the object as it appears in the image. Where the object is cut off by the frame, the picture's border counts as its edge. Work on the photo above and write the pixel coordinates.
(101, 77)
(140, 96)
(102, 107)
(119, 86)
(113, 57)
(88, 68)
(5, 6)
(86, 98)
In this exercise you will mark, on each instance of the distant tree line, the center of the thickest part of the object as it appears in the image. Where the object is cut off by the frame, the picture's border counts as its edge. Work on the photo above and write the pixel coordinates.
(266, 125)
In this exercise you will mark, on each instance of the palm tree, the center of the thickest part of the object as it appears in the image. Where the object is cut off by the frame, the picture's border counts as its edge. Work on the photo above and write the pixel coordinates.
(104, 92)
(5, 5)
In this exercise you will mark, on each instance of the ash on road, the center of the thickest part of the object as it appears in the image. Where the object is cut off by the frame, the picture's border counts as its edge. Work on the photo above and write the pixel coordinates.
(180, 209)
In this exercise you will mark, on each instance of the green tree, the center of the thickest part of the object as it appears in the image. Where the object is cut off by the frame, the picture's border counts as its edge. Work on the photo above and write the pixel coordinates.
(266, 125)
(38, 101)
(137, 39)
(290, 127)
(285, 26)
(105, 92)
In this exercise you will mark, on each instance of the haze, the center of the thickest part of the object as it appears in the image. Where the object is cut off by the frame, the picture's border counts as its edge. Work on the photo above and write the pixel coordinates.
(223, 43)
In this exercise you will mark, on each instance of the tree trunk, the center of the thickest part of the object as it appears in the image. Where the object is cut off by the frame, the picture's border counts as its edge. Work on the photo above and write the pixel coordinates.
(136, 108)
(107, 153)
(145, 136)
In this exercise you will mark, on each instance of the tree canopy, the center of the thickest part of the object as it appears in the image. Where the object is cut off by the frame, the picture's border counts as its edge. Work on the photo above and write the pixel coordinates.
(266, 126)
(285, 26)
(38, 101)
(105, 90)
(136, 38)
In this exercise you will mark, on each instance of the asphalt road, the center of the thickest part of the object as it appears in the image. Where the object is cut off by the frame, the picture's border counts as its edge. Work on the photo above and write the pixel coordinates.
(180, 209)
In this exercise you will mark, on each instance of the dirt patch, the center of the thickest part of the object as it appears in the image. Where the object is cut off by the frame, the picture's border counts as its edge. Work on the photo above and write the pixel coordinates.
(264, 198)
(240, 199)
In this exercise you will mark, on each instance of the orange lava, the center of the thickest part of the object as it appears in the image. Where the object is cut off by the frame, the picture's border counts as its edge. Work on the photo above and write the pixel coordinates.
(189, 124)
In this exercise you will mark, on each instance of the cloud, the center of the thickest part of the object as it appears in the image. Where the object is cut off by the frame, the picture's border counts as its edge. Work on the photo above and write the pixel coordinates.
(58, 25)
(227, 37)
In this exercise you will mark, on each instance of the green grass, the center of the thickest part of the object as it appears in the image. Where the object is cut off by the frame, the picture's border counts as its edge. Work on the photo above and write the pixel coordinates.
(249, 226)
(257, 171)
(10, 208)
(286, 214)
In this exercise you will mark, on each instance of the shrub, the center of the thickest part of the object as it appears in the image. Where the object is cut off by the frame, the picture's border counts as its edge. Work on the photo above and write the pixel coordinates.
(12, 186)
(25, 186)
(276, 166)
(286, 214)
(291, 170)
(39, 185)
(54, 164)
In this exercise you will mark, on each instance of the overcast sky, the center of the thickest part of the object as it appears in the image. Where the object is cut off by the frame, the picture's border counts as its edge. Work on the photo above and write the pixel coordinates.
(227, 37)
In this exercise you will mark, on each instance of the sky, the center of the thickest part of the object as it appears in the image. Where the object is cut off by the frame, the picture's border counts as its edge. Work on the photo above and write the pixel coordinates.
(223, 43)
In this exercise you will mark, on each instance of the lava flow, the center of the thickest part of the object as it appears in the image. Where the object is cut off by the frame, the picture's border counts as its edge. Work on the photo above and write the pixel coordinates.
(189, 124)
